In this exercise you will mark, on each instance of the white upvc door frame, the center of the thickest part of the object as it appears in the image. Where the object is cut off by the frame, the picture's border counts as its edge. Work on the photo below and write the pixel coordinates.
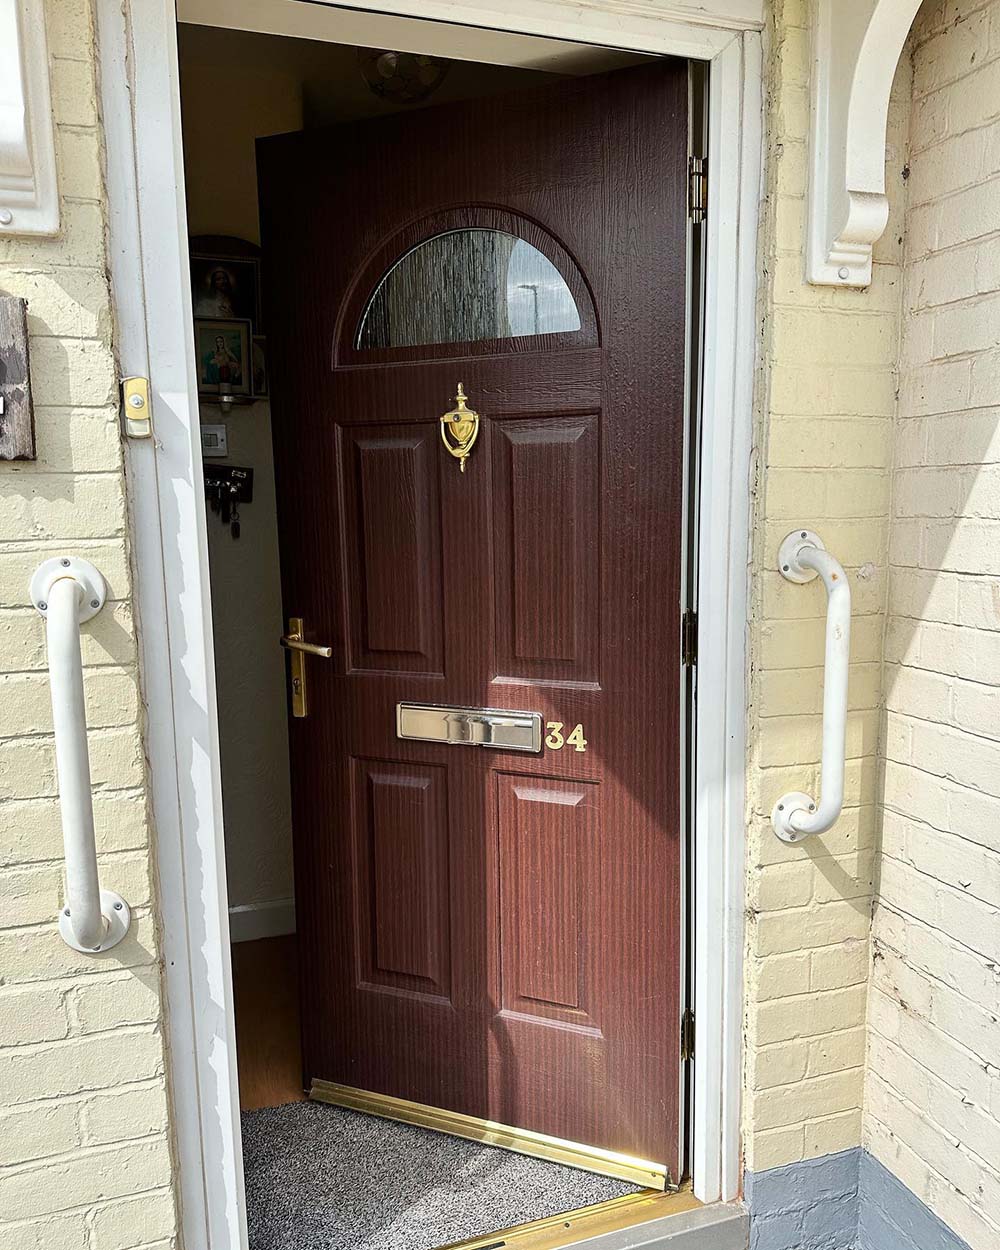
(149, 268)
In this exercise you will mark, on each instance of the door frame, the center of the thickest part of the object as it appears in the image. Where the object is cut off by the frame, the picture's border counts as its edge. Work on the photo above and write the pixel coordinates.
(137, 48)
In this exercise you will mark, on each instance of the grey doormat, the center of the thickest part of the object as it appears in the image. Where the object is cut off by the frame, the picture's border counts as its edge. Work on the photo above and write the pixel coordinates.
(321, 1178)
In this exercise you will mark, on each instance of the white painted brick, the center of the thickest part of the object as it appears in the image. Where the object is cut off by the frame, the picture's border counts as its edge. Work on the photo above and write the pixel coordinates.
(31, 1133)
(775, 1147)
(837, 1052)
(835, 967)
(19, 560)
(140, 1221)
(26, 707)
(968, 327)
(951, 55)
(78, 1065)
(28, 768)
(54, 1232)
(106, 639)
(811, 1015)
(103, 1003)
(831, 1134)
(40, 954)
(74, 97)
(808, 1099)
(79, 155)
(31, 895)
(69, 303)
(82, 439)
(782, 1064)
(90, 1177)
(48, 505)
(124, 1114)
(30, 830)
(32, 1014)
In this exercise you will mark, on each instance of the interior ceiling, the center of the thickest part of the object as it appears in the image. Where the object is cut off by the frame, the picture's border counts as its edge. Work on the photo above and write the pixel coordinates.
(330, 75)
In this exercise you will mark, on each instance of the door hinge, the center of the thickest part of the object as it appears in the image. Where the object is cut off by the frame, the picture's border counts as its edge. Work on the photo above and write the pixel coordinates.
(687, 1035)
(689, 639)
(697, 188)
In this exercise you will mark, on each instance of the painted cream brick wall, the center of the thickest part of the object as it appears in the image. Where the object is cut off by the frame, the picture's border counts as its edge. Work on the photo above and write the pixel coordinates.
(84, 1157)
(827, 394)
(933, 1089)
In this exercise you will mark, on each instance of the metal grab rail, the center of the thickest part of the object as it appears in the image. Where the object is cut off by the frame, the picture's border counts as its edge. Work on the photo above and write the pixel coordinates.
(795, 816)
(67, 592)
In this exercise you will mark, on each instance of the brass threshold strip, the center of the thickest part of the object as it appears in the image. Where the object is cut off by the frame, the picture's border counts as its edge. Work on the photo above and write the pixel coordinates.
(575, 1226)
(590, 1158)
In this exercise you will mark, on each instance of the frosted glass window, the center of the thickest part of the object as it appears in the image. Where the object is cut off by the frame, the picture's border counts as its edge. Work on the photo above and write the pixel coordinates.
(465, 286)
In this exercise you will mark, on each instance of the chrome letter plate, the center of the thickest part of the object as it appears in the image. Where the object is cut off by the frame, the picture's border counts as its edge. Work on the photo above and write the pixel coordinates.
(470, 726)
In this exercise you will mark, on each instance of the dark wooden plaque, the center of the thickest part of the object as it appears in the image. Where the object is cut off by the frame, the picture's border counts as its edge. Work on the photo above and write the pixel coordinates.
(17, 419)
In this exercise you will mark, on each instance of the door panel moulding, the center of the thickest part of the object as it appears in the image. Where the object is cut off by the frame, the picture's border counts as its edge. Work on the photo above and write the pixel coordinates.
(29, 192)
(148, 237)
(856, 48)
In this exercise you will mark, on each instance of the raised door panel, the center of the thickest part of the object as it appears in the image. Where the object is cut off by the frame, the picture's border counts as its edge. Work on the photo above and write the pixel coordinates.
(402, 896)
(549, 845)
(546, 508)
(393, 537)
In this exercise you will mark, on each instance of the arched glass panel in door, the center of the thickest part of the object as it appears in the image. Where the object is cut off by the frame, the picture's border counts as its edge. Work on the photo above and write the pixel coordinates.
(466, 286)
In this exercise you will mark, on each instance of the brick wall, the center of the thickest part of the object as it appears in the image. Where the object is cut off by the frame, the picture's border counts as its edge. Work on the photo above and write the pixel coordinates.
(933, 1089)
(827, 395)
(85, 1157)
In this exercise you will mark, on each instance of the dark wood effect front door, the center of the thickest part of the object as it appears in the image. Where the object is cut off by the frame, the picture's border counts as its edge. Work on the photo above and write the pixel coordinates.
(491, 932)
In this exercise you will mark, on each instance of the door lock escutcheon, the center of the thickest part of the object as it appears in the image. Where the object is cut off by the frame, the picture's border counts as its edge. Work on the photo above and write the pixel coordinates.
(295, 644)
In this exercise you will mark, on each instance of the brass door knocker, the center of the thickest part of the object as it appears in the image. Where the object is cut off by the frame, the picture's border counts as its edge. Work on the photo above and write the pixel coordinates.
(460, 428)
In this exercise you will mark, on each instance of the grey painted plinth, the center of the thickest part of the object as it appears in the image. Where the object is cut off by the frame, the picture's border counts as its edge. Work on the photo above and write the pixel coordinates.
(844, 1201)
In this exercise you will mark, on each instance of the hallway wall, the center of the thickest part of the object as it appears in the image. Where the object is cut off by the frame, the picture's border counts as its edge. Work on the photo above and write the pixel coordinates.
(933, 1084)
(226, 106)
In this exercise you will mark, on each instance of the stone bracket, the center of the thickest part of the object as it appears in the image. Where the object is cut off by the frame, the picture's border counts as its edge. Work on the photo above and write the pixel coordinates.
(856, 48)
(29, 193)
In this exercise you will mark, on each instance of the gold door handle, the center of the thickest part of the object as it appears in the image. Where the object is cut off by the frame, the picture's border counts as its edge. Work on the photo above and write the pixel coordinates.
(295, 644)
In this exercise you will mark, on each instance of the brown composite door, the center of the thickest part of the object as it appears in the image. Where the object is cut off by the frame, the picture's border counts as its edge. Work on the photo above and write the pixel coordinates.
(489, 931)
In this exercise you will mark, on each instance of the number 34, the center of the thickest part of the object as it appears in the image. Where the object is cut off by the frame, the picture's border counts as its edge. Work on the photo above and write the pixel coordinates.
(555, 741)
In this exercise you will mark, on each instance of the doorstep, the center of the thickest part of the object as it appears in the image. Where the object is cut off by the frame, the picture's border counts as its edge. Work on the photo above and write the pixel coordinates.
(719, 1226)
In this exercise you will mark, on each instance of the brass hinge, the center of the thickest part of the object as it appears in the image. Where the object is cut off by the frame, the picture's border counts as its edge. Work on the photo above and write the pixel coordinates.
(697, 189)
(687, 1035)
(689, 639)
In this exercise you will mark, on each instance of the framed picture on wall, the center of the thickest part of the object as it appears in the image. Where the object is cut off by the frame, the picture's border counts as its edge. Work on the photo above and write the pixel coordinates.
(223, 348)
(225, 279)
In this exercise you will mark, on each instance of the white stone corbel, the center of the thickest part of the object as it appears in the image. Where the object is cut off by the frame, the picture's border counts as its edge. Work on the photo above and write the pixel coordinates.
(29, 193)
(856, 48)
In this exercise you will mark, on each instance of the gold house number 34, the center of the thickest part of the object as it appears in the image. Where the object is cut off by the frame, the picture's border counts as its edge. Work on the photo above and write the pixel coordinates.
(555, 740)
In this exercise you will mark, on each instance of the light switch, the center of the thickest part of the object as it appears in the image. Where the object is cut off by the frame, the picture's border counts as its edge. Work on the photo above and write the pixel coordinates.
(214, 441)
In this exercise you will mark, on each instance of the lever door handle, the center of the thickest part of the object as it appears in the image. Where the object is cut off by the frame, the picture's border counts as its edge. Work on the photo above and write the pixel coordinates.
(295, 643)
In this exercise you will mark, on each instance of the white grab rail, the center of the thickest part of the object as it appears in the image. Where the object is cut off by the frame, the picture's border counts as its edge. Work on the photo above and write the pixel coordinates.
(67, 592)
(795, 816)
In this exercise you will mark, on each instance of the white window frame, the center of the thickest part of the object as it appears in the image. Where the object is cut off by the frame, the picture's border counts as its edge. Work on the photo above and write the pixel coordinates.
(148, 254)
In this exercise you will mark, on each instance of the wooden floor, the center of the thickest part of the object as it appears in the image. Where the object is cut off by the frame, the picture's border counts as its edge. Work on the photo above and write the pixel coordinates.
(266, 991)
